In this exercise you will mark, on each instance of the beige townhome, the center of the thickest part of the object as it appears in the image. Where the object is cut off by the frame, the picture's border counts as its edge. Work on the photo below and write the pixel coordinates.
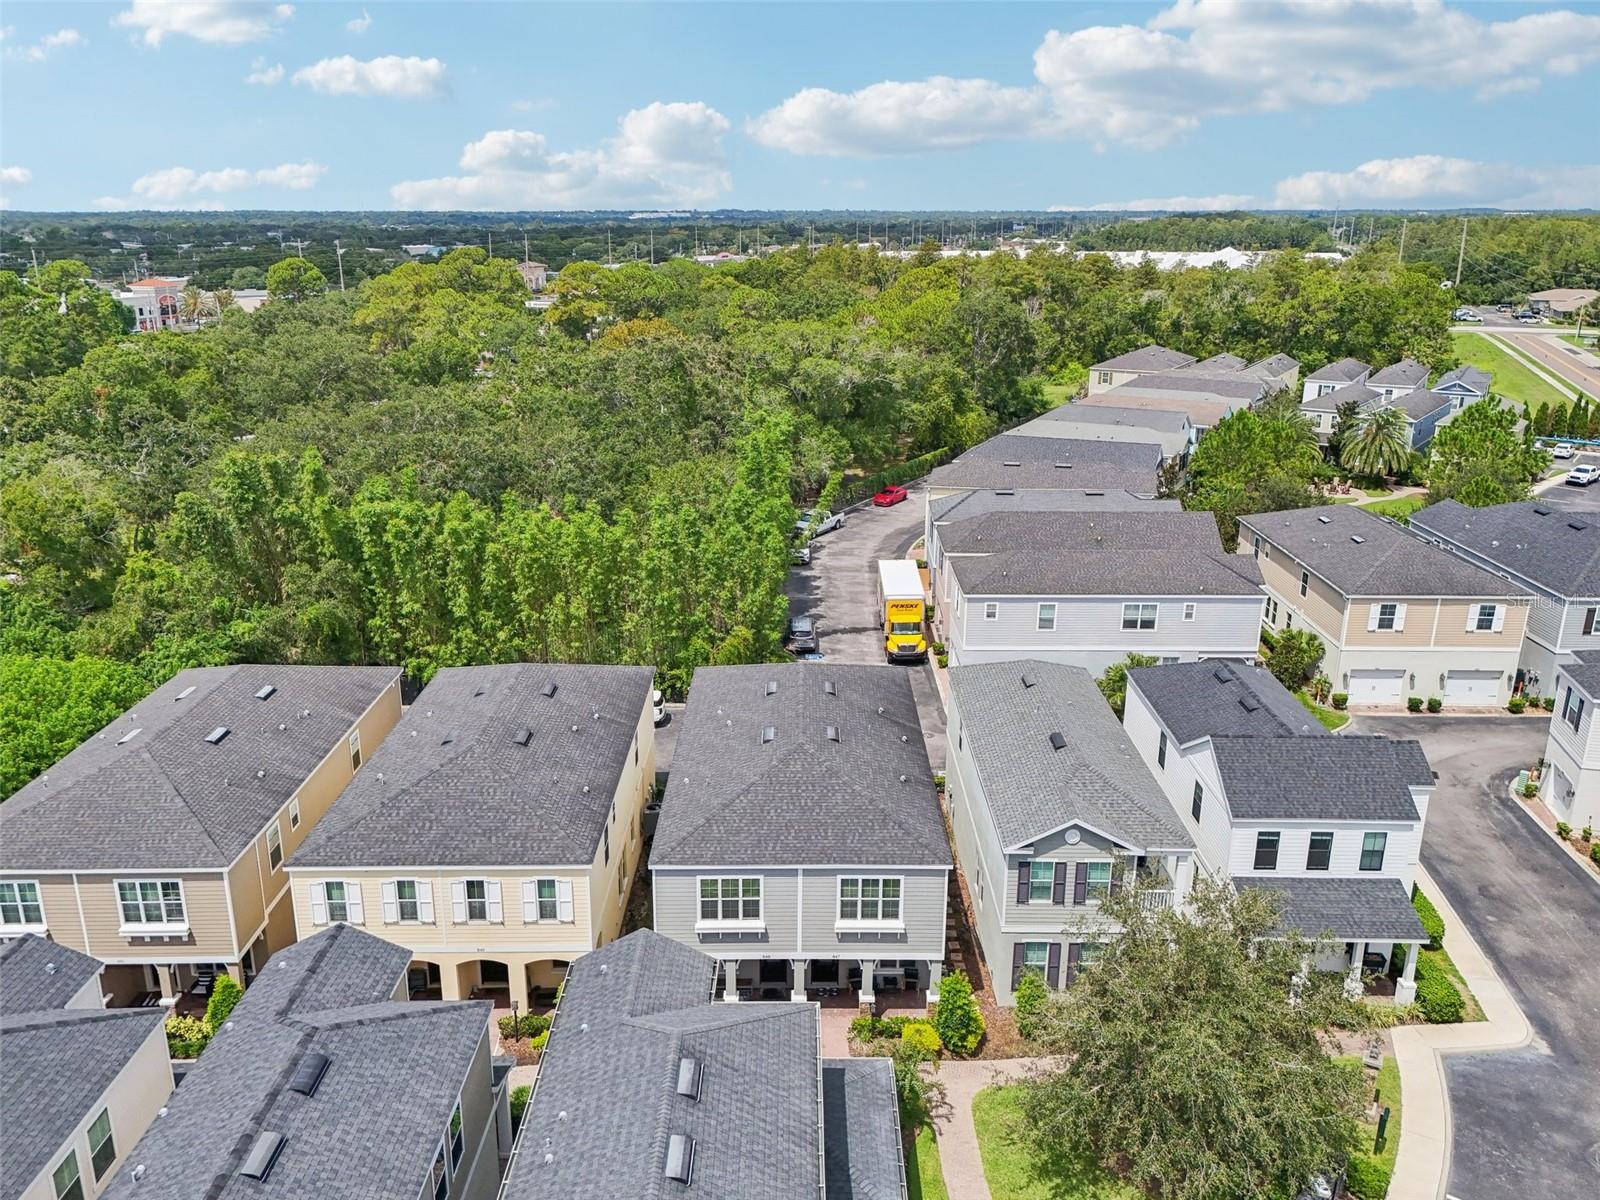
(1399, 617)
(495, 833)
(158, 845)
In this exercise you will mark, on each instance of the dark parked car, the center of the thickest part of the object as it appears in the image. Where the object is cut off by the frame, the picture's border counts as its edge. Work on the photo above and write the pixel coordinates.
(802, 635)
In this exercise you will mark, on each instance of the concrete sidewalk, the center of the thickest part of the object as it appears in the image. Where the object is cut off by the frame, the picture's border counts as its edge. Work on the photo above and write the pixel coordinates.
(1422, 1164)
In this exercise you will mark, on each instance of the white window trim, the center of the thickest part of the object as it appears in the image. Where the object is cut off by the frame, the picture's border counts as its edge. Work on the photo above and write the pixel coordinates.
(28, 926)
(877, 923)
(461, 904)
(1038, 621)
(717, 923)
(1111, 877)
(1190, 610)
(151, 928)
(1138, 607)
(565, 912)
(389, 891)
(274, 842)
(294, 814)
(991, 610)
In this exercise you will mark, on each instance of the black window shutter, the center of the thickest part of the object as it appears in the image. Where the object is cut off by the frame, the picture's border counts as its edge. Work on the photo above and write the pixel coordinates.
(1074, 952)
(1588, 620)
(1059, 896)
(1022, 882)
(1017, 951)
(1052, 974)
(1080, 884)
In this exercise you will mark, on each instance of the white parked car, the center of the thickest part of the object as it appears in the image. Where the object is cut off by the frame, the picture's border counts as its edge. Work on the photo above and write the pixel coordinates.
(818, 521)
(659, 705)
(1563, 450)
(1583, 475)
(1467, 315)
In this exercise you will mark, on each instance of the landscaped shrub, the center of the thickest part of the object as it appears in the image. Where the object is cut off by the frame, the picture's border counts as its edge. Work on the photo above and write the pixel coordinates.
(938, 647)
(1432, 922)
(527, 1025)
(1438, 996)
(1530, 790)
(922, 1038)
(1341, 700)
(1516, 704)
(186, 1036)
(1414, 703)
(519, 1102)
(868, 1029)
(225, 993)
(1563, 830)
(956, 1016)
(1588, 833)
(1435, 704)
(1594, 854)
(944, 660)
(1031, 996)
(1367, 1178)
(539, 1039)
(1548, 703)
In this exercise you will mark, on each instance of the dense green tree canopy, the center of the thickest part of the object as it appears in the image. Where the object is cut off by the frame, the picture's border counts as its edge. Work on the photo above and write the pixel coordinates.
(1480, 458)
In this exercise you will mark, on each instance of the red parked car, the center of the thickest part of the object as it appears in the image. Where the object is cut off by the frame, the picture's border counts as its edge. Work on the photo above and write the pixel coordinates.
(892, 494)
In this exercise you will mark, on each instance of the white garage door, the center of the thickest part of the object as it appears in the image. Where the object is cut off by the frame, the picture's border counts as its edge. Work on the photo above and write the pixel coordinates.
(1377, 687)
(1472, 687)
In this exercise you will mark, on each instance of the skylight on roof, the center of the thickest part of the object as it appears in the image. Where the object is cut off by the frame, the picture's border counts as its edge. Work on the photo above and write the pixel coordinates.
(1058, 741)
(1010, 463)
(266, 692)
(1579, 525)
(186, 693)
(1028, 680)
(832, 732)
(1357, 538)
(258, 1165)
(828, 688)
(772, 687)
(768, 734)
(680, 1157)
(217, 734)
(522, 736)
(1325, 520)
(129, 736)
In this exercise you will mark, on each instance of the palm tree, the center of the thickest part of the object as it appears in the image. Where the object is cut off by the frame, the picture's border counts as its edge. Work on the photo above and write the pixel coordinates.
(192, 305)
(222, 300)
(1379, 444)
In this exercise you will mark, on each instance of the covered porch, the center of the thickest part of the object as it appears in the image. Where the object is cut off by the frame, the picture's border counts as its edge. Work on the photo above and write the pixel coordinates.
(881, 984)
(531, 985)
(184, 988)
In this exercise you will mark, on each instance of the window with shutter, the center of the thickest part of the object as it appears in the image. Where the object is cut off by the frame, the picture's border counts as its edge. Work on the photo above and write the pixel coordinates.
(1041, 882)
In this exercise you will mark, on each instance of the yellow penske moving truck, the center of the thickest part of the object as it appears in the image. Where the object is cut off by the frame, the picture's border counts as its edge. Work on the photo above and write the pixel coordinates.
(901, 610)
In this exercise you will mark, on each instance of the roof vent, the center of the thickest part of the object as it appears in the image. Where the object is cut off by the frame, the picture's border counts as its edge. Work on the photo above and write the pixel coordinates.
(522, 736)
(1058, 741)
(217, 734)
(772, 687)
(1223, 675)
(828, 688)
(309, 1072)
(548, 690)
(1325, 520)
(767, 734)
(880, 710)
(1028, 680)
(1004, 492)
(680, 1157)
(266, 692)
(448, 738)
(689, 1078)
(479, 691)
(1543, 512)
(833, 733)
(186, 693)
(1576, 525)
(1094, 493)
(1249, 703)
(1357, 538)
(129, 736)
(268, 1145)
(1009, 463)
(1062, 466)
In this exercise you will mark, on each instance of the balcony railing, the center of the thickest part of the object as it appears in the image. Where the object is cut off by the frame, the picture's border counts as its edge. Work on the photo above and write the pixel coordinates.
(1156, 899)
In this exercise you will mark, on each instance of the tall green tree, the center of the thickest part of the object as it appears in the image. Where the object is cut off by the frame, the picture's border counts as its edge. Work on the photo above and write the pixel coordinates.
(1247, 464)
(1380, 443)
(294, 280)
(1480, 458)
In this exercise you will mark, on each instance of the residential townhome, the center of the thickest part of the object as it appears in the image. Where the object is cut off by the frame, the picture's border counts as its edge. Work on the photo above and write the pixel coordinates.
(1551, 551)
(1024, 463)
(326, 1081)
(1332, 377)
(1570, 782)
(1332, 825)
(1465, 385)
(158, 845)
(495, 834)
(1398, 379)
(1206, 391)
(1172, 431)
(649, 1087)
(1398, 616)
(1052, 812)
(1424, 411)
(1089, 588)
(1322, 407)
(82, 1082)
(1147, 360)
(800, 841)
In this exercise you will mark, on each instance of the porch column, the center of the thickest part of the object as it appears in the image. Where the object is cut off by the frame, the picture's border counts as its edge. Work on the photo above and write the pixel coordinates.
(797, 983)
(935, 973)
(168, 984)
(1405, 988)
(730, 980)
(236, 970)
(517, 979)
(867, 968)
(1352, 979)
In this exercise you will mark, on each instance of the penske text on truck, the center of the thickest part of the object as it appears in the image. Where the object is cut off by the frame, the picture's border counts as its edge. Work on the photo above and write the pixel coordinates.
(901, 610)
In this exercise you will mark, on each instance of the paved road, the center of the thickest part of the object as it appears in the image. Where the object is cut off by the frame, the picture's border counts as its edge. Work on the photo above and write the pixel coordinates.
(1525, 1124)
(840, 589)
(1560, 358)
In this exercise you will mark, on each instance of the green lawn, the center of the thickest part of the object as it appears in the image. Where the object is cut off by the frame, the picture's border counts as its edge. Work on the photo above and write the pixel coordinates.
(1400, 508)
(1377, 1165)
(1057, 394)
(1018, 1169)
(924, 1177)
(1330, 717)
(1511, 378)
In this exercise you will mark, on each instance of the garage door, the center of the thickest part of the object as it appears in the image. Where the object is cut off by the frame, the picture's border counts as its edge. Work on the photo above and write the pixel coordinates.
(1472, 687)
(1377, 687)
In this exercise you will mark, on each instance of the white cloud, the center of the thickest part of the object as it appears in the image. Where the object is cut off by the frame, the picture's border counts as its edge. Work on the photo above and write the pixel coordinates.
(178, 183)
(41, 50)
(359, 24)
(1196, 60)
(408, 78)
(298, 176)
(1225, 202)
(229, 22)
(667, 155)
(263, 74)
(1433, 179)
(15, 176)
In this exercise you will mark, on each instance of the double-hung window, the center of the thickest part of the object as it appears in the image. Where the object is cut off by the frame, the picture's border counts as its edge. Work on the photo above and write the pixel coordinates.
(338, 900)
(1319, 853)
(869, 899)
(1483, 617)
(151, 903)
(439, 1176)
(1199, 800)
(1098, 881)
(102, 1147)
(730, 901)
(1189, 610)
(1572, 709)
(67, 1179)
(1138, 616)
(991, 610)
(405, 900)
(1267, 851)
(20, 907)
(548, 907)
(1388, 614)
(1047, 617)
(1036, 957)
(355, 749)
(1041, 882)
(477, 893)
(294, 814)
(1161, 749)
(274, 845)
(458, 1139)
(1372, 848)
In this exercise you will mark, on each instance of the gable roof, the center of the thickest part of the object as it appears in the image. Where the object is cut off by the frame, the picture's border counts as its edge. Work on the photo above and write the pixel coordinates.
(1348, 778)
(151, 791)
(38, 974)
(1330, 401)
(802, 798)
(1217, 697)
(1345, 370)
(1137, 418)
(1008, 710)
(1583, 670)
(1171, 430)
(1046, 554)
(543, 802)
(1420, 402)
(1219, 384)
(1387, 561)
(1475, 378)
(351, 1137)
(979, 502)
(1557, 548)
(1408, 372)
(1146, 358)
(1019, 461)
(1221, 362)
(58, 1065)
(1275, 364)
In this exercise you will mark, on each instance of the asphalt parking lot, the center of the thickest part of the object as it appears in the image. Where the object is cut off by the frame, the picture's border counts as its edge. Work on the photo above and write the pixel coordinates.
(1524, 1123)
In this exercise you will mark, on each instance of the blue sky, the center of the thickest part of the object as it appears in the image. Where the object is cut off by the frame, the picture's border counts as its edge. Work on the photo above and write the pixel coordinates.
(1193, 104)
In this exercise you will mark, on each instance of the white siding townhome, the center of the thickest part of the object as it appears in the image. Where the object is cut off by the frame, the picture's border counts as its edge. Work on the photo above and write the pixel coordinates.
(1398, 616)
(800, 841)
(1332, 825)
(1570, 785)
(1052, 814)
(1089, 588)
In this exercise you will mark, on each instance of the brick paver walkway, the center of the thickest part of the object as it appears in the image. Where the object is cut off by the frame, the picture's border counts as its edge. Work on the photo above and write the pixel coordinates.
(958, 1136)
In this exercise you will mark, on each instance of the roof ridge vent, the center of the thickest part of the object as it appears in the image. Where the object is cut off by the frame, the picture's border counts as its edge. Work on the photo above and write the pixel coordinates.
(308, 1073)
(680, 1158)
(1249, 703)
(217, 734)
(1011, 463)
(689, 1074)
(129, 736)
(258, 1164)
(1058, 740)
(265, 692)
(1543, 512)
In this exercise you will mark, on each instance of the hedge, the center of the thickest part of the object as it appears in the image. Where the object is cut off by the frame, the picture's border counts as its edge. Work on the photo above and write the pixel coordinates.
(922, 1038)
(1367, 1178)
(527, 1025)
(867, 1029)
(1432, 922)
(1031, 996)
(1437, 995)
(187, 1036)
(225, 993)
(913, 468)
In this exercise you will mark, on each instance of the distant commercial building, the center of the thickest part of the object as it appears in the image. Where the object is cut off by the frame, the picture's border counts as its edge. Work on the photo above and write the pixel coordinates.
(533, 274)
(155, 301)
(1561, 301)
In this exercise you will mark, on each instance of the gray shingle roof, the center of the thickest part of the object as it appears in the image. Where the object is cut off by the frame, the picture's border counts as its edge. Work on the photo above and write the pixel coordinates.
(540, 803)
(1584, 670)
(1013, 460)
(1146, 358)
(861, 1130)
(1330, 778)
(1275, 364)
(1370, 910)
(338, 967)
(58, 1064)
(1330, 401)
(1169, 430)
(1221, 697)
(163, 797)
(38, 974)
(606, 1101)
(1138, 418)
(1475, 378)
(1536, 539)
(1225, 385)
(1049, 554)
(1203, 410)
(734, 799)
(1408, 372)
(1345, 370)
(1421, 402)
(1387, 561)
(978, 503)
(1097, 778)
(1221, 362)
(374, 1122)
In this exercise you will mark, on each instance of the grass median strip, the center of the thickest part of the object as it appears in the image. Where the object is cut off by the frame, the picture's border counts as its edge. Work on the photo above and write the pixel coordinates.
(1511, 377)
(924, 1175)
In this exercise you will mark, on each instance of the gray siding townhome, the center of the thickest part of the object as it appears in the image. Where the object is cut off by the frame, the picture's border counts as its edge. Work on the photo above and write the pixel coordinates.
(1570, 783)
(1052, 812)
(1332, 825)
(1089, 588)
(800, 841)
